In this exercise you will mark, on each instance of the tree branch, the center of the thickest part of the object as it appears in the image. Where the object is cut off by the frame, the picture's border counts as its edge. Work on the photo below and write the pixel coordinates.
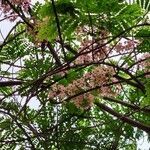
(132, 106)
(124, 118)
(10, 83)
(54, 54)
(58, 28)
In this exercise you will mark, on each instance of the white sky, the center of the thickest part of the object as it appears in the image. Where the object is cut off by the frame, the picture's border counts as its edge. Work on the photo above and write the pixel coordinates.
(5, 27)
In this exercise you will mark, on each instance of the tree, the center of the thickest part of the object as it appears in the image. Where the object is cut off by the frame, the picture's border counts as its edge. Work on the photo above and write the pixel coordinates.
(85, 65)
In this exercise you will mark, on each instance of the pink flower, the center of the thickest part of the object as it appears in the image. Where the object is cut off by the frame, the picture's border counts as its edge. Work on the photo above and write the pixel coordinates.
(6, 9)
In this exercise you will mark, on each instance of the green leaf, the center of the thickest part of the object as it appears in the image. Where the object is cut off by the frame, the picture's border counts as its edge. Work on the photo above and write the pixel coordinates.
(5, 124)
(144, 46)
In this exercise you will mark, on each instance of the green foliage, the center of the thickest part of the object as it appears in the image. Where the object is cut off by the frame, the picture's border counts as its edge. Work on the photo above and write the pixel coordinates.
(144, 46)
(47, 30)
(143, 4)
(5, 90)
(74, 14)
(31, 73)
(35, 9)
(144, 35)
(146, 99)
(5, 124)
(143, 32)
(31, 119)
(15, 49)
(67, 13)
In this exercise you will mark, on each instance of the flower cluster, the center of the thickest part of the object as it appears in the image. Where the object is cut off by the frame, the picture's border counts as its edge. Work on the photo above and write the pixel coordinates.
(84, 101)
(93, 53)
(146, 63)
(9, 12)
(96, 79)
(126, 46)
(97, 50)
(91, 49)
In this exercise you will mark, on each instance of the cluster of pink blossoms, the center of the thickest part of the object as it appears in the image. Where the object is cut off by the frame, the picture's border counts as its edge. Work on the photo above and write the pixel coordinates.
(126, 46)
(92, 53)
(98, 77)
(145, 65)
(9, 12)
(95, 52)
(91, 50)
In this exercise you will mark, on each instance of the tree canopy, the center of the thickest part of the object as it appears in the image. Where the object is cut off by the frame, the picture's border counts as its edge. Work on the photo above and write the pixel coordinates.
(75, 74)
